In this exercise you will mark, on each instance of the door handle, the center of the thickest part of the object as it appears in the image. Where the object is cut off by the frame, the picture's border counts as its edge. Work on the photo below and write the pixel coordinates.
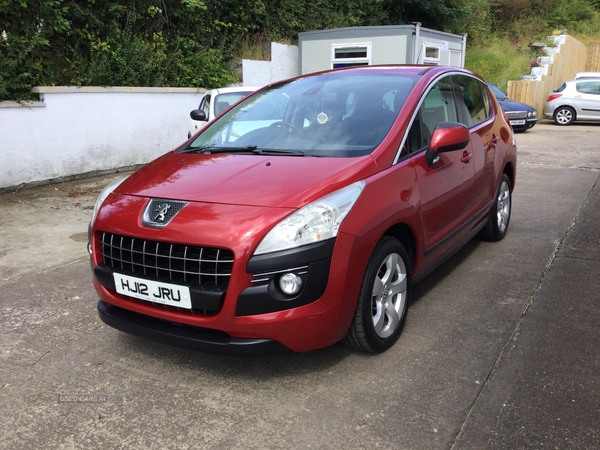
(466, 157)
(495, 139)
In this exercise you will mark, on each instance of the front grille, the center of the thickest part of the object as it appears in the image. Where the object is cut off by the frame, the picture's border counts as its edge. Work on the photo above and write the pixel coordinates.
(517, 114)
(188, 265)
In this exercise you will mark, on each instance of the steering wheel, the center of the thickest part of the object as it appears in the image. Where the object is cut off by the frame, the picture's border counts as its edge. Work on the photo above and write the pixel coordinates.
(284, 124)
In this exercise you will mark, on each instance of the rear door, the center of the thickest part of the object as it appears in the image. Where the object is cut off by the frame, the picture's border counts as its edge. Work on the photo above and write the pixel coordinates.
(445, 188)
(475, 111)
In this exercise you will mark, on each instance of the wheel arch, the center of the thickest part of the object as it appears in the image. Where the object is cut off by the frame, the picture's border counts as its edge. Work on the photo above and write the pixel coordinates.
(510, 171)
(405, 235)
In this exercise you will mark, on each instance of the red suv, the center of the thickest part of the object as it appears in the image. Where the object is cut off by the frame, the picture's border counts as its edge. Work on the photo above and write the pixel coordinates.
(302, 216)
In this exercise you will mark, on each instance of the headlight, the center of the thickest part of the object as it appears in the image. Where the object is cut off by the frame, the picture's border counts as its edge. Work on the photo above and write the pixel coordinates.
(105, 193)
(317, 221)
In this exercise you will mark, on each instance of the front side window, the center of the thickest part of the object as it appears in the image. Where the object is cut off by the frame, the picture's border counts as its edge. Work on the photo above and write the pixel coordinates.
(336, 115)
(438, 106)
(205, 105)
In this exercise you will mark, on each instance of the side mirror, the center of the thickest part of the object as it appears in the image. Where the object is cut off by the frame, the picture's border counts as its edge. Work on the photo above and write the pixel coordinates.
(199, 114)
(447, 137)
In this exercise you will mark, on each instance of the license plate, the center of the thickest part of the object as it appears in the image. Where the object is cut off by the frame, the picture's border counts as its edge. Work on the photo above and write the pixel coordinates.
(517, 122)
(153, 291)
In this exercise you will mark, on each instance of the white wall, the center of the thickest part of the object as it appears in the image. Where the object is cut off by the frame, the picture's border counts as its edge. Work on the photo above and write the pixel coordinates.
(77, 131)
(283, 65)
(90, 129)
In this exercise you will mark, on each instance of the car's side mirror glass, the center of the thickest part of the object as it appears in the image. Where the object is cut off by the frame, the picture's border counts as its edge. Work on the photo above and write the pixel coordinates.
(447, 137)
(199, 114)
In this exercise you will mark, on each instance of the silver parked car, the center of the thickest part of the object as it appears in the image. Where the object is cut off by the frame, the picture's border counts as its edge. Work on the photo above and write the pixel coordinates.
(574, 100)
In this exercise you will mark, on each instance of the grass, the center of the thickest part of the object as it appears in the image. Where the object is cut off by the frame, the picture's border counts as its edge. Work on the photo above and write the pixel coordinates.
(498, 61)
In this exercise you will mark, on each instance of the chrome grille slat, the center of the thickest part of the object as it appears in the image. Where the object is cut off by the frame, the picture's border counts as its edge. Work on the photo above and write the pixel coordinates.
(517, 114)
(131, 257)
(169, 262)
(184, 267)
(200, 258)
(156, 257)
(217, 266)
(121, 252)
(144, 258)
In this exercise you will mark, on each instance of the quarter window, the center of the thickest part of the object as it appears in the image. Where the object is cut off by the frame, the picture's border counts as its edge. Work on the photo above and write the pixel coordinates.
(589, 87)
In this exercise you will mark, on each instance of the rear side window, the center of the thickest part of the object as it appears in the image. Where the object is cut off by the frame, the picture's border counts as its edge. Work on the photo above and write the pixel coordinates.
(561, 88)
(476, 99)
(589, 87)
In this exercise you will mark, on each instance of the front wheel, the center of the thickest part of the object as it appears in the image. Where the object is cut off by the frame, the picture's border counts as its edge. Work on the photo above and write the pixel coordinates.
(497, 225)
(383, 299)
(564, 116)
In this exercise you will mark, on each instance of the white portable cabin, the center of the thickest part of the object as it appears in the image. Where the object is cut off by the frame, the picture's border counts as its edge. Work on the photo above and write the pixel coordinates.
(392, 44)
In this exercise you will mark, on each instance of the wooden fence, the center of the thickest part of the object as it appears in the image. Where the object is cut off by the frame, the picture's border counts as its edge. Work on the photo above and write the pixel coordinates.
(573, 56)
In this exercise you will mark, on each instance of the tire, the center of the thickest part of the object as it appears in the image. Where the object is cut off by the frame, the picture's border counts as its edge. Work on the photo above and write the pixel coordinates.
(497, 225)
(564, 115)
(382, 304)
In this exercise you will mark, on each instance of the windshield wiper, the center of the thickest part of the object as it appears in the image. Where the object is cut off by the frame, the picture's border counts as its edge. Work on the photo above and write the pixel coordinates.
(253, 149)
(209, 150)
(275, 151)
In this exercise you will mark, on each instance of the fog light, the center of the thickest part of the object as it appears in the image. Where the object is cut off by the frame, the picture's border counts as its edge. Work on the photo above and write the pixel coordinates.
(290, 283)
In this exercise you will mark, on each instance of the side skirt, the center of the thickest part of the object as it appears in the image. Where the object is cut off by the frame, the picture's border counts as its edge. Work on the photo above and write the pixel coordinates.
(458, 245)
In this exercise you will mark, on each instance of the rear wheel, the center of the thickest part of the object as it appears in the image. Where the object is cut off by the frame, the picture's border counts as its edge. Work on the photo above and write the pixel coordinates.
(564, 115)
(497, 226)
(383, 300)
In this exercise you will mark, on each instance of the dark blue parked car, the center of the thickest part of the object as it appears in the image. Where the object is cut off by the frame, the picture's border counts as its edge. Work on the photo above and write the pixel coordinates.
(521, 116)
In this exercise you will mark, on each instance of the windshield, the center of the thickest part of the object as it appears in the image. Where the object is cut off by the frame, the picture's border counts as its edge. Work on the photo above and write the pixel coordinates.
(336, 114)
(497, 92)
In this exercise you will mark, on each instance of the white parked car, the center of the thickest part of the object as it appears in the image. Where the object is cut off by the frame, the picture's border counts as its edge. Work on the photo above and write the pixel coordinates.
(580, 75)
(214, 102)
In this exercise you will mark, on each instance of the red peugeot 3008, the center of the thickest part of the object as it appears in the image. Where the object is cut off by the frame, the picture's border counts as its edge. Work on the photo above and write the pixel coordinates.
(301, 216)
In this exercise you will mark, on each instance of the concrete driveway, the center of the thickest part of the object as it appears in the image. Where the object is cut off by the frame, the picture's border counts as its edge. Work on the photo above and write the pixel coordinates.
(500, 349)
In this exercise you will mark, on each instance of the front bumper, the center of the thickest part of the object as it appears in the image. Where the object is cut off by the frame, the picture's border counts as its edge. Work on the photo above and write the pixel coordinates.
(252, 312)
(184, 336)
(523, 124)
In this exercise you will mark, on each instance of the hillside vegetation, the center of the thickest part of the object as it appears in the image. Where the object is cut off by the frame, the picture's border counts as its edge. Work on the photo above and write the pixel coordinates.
(190, 42)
